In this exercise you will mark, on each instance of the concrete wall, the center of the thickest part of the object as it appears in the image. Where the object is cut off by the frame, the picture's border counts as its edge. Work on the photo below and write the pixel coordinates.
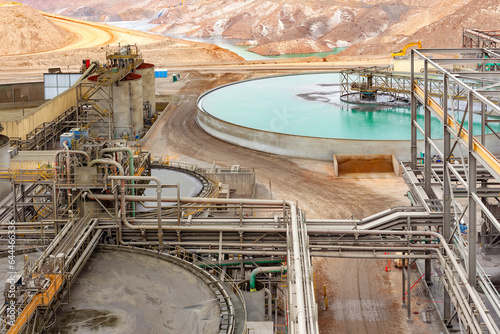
(311, 147)
(242, 182)
(45, 113)
(338, 159)
(22, 92)
(298, 146)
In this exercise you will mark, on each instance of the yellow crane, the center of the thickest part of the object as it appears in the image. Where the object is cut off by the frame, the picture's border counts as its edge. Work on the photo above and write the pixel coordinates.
(403, 51)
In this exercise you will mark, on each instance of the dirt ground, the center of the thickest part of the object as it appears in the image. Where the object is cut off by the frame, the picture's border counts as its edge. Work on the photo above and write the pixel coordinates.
(363, 298)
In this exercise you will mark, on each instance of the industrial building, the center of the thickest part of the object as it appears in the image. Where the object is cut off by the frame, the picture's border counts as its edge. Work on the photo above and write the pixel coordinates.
(76, 184)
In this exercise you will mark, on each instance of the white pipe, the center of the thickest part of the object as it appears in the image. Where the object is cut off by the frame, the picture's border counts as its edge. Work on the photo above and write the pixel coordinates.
(301, 315)
(275, 203)
(158, 200)
(463, 276)
(108, 162)
(269, 304)
(85, 154)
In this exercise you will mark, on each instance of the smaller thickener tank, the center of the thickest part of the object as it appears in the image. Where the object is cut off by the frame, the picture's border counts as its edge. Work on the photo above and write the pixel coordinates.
(4, 164)
(147, 71)
(128, 107)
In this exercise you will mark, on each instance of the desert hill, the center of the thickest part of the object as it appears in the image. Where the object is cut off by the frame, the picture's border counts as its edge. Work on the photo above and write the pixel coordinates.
(299, 26)
(25, 30)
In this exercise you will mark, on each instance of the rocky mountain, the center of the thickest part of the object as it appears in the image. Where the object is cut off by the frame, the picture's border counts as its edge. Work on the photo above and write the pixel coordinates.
(298, 26)
(33, 32)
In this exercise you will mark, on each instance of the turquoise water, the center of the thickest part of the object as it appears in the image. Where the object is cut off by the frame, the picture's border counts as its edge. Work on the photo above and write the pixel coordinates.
(309, 105)
(219, 41)
(248, 55)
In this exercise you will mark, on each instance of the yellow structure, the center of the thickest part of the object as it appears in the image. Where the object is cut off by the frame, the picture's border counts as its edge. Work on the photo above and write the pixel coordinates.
(41, 299)
(403, 51)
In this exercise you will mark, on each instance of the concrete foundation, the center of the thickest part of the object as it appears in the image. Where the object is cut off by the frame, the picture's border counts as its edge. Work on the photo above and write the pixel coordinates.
(242, 182)
(365, 163)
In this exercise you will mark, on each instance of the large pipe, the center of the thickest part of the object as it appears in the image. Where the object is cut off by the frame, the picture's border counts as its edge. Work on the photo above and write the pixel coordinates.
(260, 270)
(301, 316)
(158, 200)
(269, 304)
(129, 198)
(85, 154)
(130, 165)
(451, 257)
(108, 162)
(122, 172)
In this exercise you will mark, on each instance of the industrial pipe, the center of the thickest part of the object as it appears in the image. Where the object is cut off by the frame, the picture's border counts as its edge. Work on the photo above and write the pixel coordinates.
(260, 270)
(129, 198)
(85, 154)
(122, 172)
(158, 199)
(108, 162)
(451, 256)
(301, 316)
(269, 304)
(130, 165)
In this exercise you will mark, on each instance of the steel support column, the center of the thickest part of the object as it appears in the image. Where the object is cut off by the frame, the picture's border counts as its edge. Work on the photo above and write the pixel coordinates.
(413, 150)
(472, 178)
(446, 190)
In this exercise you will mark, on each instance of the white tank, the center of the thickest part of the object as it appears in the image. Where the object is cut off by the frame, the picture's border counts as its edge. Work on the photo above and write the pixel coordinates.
(127, 106)
(147, 71)
(136, 103)
(5, 186)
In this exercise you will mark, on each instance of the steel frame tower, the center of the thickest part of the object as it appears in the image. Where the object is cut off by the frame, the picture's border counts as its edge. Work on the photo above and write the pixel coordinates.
(468, 166)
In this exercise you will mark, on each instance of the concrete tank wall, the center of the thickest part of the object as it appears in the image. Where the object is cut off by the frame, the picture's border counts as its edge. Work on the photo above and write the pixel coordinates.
(122, 114)
(136, 104)
(4, 164)
(310, 147)
(127, 106)
(147, 71)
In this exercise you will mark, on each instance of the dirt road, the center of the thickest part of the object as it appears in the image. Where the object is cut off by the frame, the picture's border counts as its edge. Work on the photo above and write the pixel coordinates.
(90, 34)
(364, 298)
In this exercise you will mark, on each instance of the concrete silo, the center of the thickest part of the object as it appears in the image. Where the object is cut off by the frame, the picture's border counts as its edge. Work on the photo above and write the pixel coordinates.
(147, 71)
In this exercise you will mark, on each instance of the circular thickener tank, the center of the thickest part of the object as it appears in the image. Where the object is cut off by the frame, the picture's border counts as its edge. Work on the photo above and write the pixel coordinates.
(302, 115)
(127, 106)
(147, 71)
(4, 164)
(190, 185)
(130, 293)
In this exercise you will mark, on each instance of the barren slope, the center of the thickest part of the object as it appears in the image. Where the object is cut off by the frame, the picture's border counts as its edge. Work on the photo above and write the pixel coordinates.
(25, 30)
(291, 26)
(445, 32)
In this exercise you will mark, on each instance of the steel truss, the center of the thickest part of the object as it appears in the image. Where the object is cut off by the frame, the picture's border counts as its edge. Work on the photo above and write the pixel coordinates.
(476, 38)
(468, 170)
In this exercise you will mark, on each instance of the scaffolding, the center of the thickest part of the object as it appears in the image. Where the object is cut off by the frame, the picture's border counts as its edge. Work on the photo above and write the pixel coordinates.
(469, 166)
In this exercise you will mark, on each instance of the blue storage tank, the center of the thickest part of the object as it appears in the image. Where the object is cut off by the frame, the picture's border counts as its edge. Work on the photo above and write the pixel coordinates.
(161, 73)
(67, 137)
